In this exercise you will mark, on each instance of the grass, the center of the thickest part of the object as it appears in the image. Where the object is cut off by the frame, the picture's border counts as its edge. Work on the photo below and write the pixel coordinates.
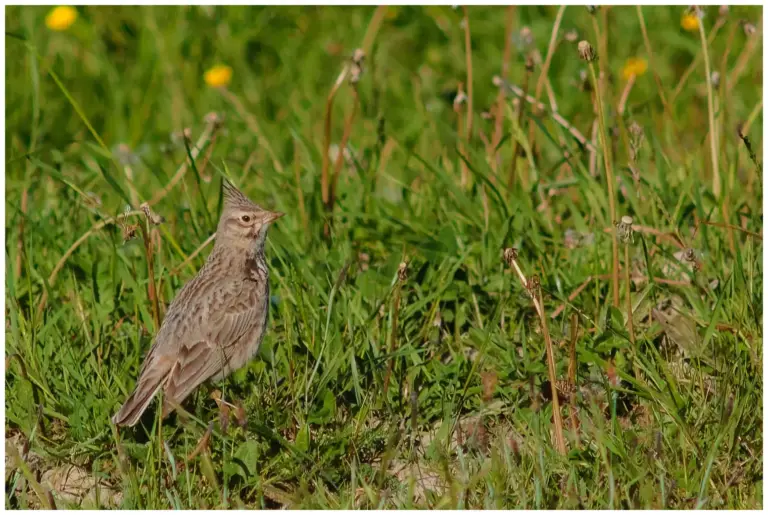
(383, 385)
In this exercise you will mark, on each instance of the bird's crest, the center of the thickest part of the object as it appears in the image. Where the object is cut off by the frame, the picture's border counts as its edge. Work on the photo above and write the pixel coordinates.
(234, 198)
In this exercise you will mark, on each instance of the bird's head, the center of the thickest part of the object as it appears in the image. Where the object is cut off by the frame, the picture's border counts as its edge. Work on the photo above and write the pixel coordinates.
(243, 224)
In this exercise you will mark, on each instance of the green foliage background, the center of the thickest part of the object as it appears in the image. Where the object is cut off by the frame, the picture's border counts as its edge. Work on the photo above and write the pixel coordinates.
(322, 431)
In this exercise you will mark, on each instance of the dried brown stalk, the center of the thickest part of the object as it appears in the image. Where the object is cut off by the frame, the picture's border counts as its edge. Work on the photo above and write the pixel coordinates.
(368, 39)
(753, 43)
(459, 101)
(20, 241)
(696, 60)
(553, 41)
(402, 275)
(343, 144)
(651, 67)
(468, 54)
(625, 94)
(572, 366)
(299, 190)
(213, 125)
(587, 54)
(60, 264)
(533, 286)
(716, 183)
(522, 94)
(194, 254)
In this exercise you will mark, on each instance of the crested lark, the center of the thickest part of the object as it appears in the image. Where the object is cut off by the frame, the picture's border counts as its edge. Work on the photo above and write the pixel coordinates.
(216, 323)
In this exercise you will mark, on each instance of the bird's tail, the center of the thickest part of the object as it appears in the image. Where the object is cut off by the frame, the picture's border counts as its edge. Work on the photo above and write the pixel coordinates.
(146, 388)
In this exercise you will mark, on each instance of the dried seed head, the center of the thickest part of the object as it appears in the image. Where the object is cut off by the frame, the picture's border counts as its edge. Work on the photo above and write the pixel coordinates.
(591, 9)
(696, 11)
(571, 36)
(124, 155)
(92, 200)
(497, 81)
(402, 272)
(129, 231)
(723, 11)
(460, 97)
(529, 64)
(749, 28)
(637, 135)
(586, 51)
(624, 228)
(358, 58)
(510, 256)
(214, 118)
(526, 36)
(533, 285)
(714, 78)
(153, 218)
(565, 387)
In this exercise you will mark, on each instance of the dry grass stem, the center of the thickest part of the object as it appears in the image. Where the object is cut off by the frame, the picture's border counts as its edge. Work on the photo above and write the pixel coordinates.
(696, 60)
(601, 47)
(459, 101)
(60, 264)
(533, 286)
(625, 94)
(553, 40)
(194, 254)
(716, 185)
(325, 182)
(402, 276)
(572, 367)
(468, 55)
(521, 93)
(744, 130)
(609, 177)
(20, 240)
(550, 52)
(368, 39)
(212, 126)
(299, 190)
(651, 66)
(348, 123)
(745, 57)
(149, 254)
(734, 228)
(625, 235)
(516, 143)
(559, 438)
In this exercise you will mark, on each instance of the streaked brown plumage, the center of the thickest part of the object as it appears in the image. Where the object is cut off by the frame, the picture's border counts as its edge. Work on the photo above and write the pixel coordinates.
(216, 323)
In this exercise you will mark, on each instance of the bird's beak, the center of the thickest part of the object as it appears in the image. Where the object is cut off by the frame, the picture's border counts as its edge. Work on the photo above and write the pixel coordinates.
(274, 215)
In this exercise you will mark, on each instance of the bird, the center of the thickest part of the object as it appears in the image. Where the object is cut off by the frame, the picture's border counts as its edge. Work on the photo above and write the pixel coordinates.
(217, 321)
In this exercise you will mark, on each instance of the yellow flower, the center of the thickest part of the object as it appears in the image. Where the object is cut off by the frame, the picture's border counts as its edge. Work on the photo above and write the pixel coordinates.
(61, 18)
(218, 76)
(634, 66)
(690, 22)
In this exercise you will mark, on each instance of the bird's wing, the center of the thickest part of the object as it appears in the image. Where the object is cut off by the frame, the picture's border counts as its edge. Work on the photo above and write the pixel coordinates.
(202, 327)
(216, 324)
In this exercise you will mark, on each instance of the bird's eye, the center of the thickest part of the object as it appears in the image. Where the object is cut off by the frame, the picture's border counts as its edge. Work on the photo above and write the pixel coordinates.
(246, 218)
